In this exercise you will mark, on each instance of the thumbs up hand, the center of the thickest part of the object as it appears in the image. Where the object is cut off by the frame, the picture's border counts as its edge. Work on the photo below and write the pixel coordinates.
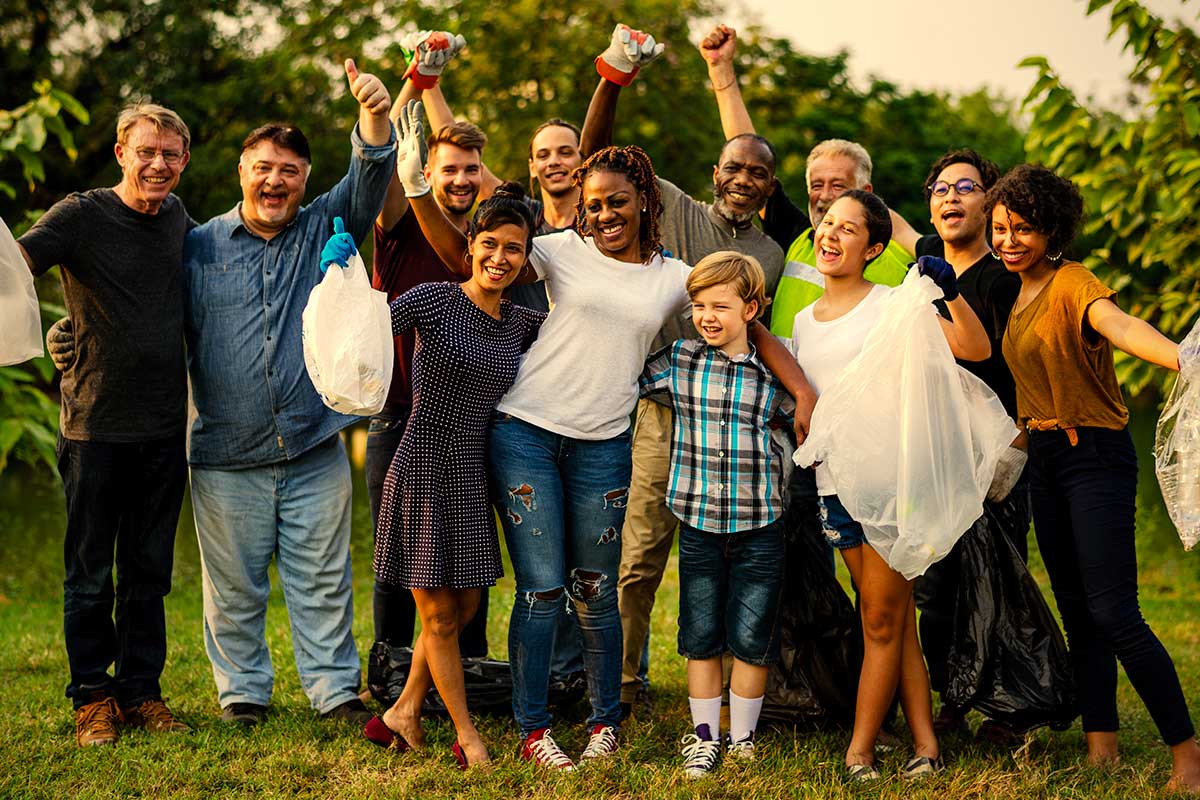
(368, 90)
(340, 247)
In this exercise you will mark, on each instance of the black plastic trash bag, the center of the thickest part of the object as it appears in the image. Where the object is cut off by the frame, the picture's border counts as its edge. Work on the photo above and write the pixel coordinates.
(1007, 658)
(488, 683)
(815, 682)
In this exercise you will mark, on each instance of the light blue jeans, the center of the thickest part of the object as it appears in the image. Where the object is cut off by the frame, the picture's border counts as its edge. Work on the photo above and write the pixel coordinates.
(299, 513)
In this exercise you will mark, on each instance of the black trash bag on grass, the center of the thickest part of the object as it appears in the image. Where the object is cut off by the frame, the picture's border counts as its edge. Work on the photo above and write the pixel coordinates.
(488, 682)
(1008, 658)
(815, 682)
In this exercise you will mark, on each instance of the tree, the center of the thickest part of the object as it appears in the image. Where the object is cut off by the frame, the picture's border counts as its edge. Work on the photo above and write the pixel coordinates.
(28, 417)
(1139, 175)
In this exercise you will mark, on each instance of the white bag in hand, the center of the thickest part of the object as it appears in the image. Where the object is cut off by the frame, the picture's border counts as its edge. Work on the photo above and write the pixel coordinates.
(1177, 444)
(348, 347)
(20, 316)
(910, 438)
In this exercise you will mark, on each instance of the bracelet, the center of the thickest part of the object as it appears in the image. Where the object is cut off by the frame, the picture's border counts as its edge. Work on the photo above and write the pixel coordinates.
(726, 86)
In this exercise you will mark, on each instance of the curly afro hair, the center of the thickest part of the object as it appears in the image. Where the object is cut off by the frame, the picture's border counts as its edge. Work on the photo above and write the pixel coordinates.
(1051, 204)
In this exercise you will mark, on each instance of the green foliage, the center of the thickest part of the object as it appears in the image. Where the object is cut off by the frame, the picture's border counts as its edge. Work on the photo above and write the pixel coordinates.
(28, 416)
(1139, 175)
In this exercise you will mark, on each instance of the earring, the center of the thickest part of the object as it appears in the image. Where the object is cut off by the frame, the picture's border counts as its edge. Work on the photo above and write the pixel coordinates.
(995, 255)
(1056, 256)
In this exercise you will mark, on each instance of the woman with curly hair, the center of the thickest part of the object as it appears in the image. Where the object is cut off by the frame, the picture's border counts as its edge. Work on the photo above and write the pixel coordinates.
(559, 445)
(1082, 465)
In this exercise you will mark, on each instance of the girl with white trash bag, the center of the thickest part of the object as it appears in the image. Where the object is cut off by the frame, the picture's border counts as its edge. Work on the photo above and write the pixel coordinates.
(1082, 465)
(827, 340)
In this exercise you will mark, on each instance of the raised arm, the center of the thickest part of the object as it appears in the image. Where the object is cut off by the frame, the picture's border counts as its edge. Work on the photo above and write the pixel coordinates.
(411, 154)
(628, 51)
(718, 49)
(963, 331)
(374, 102)
(784, 367)
(395, 203)
(904, 234)
(1135, 336)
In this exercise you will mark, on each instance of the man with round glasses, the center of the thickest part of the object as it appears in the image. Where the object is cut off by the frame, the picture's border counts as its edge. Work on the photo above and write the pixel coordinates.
(955, 188)
(121, 430)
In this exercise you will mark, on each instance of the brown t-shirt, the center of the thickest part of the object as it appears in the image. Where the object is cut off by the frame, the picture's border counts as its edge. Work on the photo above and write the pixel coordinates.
(1063, 368)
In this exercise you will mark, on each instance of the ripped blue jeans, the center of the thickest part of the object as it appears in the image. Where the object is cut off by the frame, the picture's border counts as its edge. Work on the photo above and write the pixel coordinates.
(562, 504)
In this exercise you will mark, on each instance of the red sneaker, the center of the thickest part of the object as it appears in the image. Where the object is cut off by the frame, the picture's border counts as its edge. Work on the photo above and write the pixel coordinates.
(541, 749)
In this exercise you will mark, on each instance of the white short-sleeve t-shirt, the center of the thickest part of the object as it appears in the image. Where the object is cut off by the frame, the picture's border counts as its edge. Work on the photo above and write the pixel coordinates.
(579, 379)
(824, 349)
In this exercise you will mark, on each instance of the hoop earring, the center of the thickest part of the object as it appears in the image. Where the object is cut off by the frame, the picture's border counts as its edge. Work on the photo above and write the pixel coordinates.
(995, 255)
(1056, 256)
(467, 257)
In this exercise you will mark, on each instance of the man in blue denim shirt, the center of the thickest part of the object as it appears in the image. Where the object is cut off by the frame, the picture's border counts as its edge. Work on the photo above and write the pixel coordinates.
(269, 474)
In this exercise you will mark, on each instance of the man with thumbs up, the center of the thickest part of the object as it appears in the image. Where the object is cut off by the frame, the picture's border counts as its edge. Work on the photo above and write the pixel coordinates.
(269, 474)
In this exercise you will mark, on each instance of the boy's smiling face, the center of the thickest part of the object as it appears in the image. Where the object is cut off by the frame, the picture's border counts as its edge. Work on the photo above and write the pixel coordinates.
(721, 317)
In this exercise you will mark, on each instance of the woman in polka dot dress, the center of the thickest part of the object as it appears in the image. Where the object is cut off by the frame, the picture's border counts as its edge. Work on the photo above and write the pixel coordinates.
(437, 534)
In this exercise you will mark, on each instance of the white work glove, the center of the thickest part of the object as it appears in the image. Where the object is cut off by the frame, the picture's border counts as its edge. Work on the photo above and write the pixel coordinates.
(411, 150)
(1008, 471)
(432, 51)
(629, 51)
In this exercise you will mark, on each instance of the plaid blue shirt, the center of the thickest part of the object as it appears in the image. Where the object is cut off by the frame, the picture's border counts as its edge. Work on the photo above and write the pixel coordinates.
(726, 473)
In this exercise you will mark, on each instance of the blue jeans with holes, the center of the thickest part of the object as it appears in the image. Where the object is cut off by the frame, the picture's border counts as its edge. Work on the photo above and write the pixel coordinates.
(562, 504)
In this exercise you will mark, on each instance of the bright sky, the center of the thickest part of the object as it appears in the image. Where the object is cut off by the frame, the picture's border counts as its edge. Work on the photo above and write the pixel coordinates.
(934, 44)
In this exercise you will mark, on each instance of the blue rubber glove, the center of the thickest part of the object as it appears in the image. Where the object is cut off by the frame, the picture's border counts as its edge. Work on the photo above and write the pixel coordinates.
(339, 248)
(940, 271)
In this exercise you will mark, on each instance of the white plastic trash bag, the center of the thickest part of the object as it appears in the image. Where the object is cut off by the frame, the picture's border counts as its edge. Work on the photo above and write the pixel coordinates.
(1177, 444)
(910, 438)
(20, 317)
(348, 346)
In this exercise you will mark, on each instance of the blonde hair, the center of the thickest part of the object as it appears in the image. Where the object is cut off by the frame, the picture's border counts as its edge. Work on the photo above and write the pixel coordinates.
(847, 149)
(742, 272)
(163, 119)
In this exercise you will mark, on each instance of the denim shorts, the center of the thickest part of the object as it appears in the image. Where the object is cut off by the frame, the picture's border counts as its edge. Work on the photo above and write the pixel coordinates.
(729, 590)
(841, 530)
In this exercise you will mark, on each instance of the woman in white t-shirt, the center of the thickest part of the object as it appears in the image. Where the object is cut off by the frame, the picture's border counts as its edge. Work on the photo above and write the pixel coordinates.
(827, 336)
(559, 448)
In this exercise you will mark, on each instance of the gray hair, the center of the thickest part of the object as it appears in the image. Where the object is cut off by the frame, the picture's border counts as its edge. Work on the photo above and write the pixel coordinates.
(163, 119)
(842, 147)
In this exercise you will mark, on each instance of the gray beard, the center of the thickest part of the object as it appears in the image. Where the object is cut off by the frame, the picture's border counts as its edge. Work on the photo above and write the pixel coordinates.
(737, 220)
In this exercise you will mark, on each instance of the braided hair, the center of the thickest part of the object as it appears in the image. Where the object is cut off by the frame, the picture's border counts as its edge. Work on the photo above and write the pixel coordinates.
(634, 164)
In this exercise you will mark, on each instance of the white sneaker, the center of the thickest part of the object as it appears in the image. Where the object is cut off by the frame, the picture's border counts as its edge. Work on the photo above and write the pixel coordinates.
(742, 750)
(601, 744)
(542, 750)
(700, 754)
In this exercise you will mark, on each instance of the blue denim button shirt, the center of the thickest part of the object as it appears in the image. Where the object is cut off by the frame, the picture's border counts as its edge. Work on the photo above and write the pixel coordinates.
(243, 297)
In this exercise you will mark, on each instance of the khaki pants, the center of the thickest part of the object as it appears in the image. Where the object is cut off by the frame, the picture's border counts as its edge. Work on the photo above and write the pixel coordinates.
(646, 536)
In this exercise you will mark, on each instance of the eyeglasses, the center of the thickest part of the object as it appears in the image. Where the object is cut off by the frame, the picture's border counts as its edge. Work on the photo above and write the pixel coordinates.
(147, 154)
(961, 186)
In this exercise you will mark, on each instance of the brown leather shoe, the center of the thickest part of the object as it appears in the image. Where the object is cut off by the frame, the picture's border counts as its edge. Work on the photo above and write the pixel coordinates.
(154, 716)
(96, 722)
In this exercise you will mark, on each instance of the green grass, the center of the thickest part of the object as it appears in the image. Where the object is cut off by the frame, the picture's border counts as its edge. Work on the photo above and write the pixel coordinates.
(294, 754)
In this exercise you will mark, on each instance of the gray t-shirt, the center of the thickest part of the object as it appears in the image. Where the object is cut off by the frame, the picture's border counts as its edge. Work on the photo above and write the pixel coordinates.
(691, 230)
(122, 279)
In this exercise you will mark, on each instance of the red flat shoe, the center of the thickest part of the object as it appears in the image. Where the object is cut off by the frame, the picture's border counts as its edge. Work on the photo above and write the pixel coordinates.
(377, 732)
(459, 756)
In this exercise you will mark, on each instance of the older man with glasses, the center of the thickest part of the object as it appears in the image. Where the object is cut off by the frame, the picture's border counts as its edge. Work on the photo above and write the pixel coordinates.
(121, 437)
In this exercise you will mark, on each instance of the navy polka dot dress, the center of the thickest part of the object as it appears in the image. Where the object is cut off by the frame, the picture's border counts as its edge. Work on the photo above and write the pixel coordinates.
(436, 528)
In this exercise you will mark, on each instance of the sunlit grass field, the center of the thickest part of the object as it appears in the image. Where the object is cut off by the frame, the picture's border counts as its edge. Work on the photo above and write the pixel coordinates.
(294, 754)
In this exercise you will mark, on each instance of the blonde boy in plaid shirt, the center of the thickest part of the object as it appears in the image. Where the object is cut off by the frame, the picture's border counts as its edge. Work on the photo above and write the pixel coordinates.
(724, 487)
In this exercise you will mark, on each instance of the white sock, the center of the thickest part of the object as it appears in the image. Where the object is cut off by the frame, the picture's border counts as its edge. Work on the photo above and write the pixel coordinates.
(743, 715)
(707, 711)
